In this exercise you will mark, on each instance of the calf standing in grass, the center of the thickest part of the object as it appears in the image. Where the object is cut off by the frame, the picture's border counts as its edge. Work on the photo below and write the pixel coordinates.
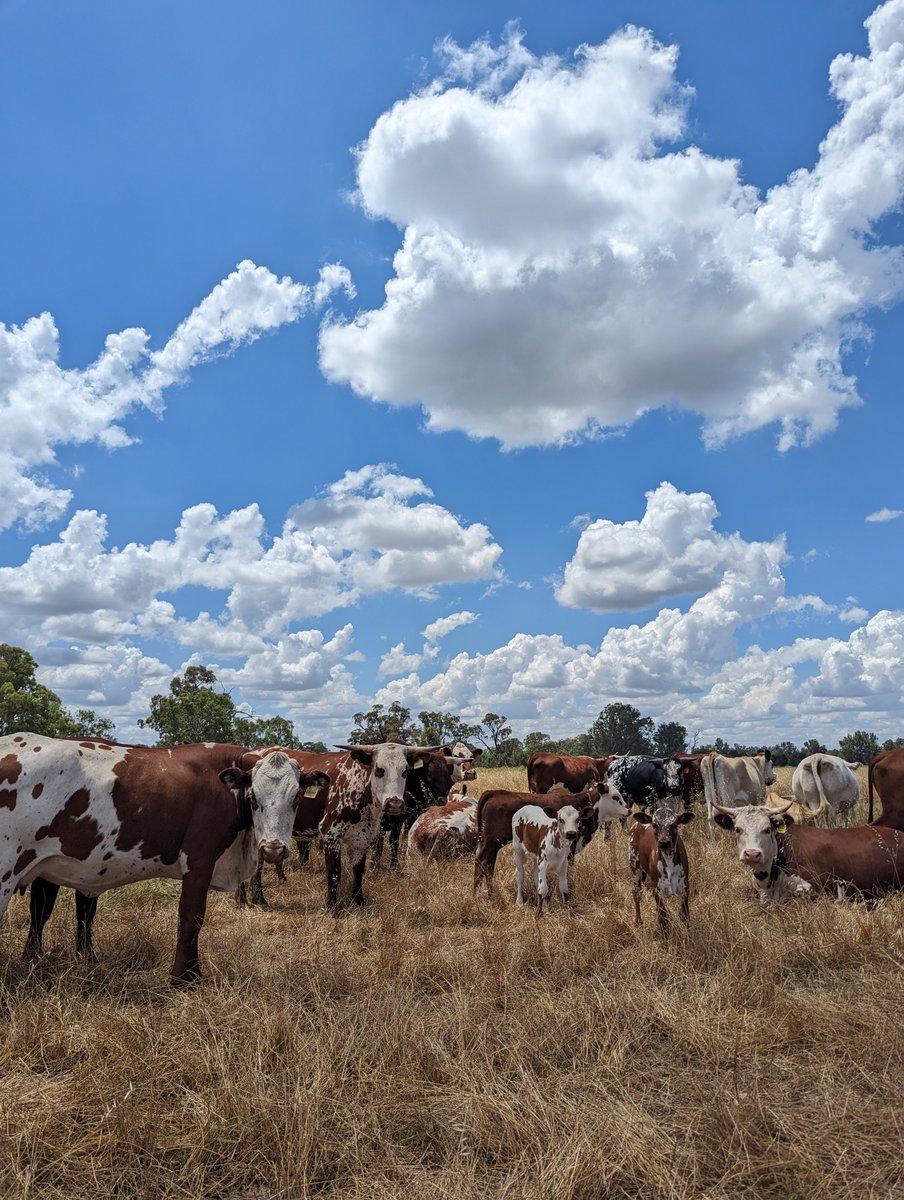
(549, 839)
(657, 858)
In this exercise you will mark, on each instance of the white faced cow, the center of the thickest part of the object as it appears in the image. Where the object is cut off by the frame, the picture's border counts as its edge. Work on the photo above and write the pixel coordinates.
(548, 839)
(94, 815)
(827, 786)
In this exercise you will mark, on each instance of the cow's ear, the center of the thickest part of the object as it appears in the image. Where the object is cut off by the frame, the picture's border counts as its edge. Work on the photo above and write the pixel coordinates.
(235, 778)
(683, 818)
(724, 821)
(364, 757)
(641, 817)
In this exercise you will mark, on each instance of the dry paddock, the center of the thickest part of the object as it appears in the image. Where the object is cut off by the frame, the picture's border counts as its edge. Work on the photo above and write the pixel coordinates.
(431, 1047)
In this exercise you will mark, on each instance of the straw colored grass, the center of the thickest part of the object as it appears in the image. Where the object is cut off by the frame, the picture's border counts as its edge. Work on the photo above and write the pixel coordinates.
(432, 1046)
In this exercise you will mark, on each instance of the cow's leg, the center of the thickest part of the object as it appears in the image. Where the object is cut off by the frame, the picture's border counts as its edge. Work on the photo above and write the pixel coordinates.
(333, 858)
(541, 875)
(485, 865)
(377, 847)
(518, 853)
(258, 899)
(395, 834)
(636, 888)
(192, 907)
(304, 850)
(40, 906)
(241, 895)
(358, 865)
(280, 873)
(85, 912)
(662, 911)
(563, 880)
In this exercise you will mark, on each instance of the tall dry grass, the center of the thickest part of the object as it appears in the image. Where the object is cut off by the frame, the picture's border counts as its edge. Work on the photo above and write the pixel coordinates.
(435, 1047)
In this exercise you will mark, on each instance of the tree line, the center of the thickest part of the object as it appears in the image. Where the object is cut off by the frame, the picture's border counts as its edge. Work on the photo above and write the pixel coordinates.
(196, 709)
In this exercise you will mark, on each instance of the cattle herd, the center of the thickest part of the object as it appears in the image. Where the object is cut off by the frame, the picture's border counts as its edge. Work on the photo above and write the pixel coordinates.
(91, 814)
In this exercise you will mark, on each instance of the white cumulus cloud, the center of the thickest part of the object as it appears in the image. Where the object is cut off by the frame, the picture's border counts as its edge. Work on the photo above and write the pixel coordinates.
(885, 514)
(44, 405)
(556, 223)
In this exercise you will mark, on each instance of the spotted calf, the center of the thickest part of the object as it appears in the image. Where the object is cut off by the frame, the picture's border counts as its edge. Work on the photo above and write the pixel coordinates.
(548, 840)
(658, 859)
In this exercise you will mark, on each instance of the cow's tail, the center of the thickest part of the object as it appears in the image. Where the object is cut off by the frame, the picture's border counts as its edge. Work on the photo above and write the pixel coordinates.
(869, 784)
(531, 775)
(823, 799)
(484, 796)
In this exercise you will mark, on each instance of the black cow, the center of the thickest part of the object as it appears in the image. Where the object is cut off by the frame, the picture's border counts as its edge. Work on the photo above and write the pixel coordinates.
(644, 780)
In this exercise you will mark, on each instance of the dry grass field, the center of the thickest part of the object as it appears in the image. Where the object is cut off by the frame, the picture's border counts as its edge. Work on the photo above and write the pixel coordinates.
(430, 1047)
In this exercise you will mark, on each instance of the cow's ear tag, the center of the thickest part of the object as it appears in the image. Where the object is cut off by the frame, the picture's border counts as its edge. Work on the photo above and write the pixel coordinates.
(783, 828)
(311, 791)
(418, 762)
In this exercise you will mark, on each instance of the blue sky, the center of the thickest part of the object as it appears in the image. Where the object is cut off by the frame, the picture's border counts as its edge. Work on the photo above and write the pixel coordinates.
(481, 357)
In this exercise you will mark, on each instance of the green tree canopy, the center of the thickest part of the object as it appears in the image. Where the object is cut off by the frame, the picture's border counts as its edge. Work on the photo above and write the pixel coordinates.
(620, 729)
(440, 728)
(381, 724)
(193, 711)
(670, 738)
(26, 705)
(859, 746)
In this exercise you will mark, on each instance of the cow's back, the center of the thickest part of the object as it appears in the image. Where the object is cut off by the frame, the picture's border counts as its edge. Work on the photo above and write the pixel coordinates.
(868, 858)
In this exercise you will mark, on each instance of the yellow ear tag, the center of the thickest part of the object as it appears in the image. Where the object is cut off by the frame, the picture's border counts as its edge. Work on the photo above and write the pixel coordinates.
(418, 762)
(783, 828)
(311, 791)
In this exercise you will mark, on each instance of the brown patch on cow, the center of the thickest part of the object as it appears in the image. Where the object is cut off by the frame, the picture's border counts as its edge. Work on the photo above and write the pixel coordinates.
(78, 833)
(10, 768)
(36, 749)
(6, 876)
(25, 859)
(36, 790)
(8, 798)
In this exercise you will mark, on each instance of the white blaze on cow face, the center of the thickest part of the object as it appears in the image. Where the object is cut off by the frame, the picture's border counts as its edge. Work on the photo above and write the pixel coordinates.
(274, 783)
(569, 823)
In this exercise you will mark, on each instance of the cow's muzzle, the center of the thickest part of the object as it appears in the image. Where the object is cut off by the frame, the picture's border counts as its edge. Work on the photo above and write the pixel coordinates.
(752, 856)
(393, 807)
(571, 835)
(273, 851)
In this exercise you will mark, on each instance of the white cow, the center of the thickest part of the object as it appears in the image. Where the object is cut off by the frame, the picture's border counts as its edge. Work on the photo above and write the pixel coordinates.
(549, 840)
(729, 782)
(826, 786)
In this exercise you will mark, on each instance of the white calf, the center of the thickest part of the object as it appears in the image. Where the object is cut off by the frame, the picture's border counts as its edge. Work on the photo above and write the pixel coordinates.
(549, 840)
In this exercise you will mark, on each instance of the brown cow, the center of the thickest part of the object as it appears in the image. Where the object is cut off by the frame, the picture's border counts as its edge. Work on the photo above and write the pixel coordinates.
(886, 775)
(657, 858)
(497, 807)
(573, 772)
(93, 815)
(866, 861)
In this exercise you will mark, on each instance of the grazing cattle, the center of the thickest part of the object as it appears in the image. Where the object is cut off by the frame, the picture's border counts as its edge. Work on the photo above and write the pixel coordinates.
(496, 808)
(445, 830)
(658, 859)
(865, 861)
(365, 783)
(549, 841)
(573, 772)
(731, 782)
(93, 815)
(827, 786)
(464, 769)
(428, 784)
(643, 781)
(886, 775)
(692, 778)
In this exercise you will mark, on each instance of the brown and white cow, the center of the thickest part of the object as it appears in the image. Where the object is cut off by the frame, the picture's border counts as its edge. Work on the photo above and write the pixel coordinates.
(827, 786)
(497, 807)
(658, 859)
(428, 784)
(93, 815)
(445, 830)
(886, 776)
(548, 840)
(865, 861)
(573, 772)
(730, 782)
(464, 768)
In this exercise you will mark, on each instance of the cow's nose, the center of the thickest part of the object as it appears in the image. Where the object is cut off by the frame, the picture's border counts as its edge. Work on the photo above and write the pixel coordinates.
(571, 835)
(665, 845)
(273, 851)
(752, 856)
(393, 806)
